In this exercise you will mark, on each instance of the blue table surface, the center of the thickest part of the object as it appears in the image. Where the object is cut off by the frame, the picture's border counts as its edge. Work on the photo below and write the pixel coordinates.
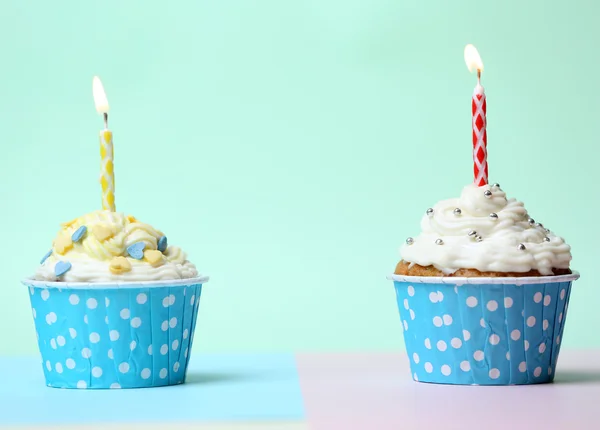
(220, 387)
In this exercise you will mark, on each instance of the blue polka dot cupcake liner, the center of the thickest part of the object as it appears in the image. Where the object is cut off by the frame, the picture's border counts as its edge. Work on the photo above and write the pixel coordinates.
(128, 335)
(483, 331)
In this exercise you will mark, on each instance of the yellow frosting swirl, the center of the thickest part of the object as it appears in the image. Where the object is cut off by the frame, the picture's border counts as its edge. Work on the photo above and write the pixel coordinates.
(125, 231)
(98, 255)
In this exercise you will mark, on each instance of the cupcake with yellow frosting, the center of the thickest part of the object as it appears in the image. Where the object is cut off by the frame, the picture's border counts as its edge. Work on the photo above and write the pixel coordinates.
(105, 246)
(114, 305)
(483, 292)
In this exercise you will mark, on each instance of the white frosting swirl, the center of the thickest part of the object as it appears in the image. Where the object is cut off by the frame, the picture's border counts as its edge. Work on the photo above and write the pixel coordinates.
(86, 269)
(498, 250)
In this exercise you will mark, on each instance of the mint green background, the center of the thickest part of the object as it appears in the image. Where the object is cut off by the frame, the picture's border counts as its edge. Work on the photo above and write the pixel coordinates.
(291, 146)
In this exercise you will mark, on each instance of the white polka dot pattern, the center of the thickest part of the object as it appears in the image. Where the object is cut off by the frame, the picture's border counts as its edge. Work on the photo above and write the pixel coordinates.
(494, 334)
(105, 338)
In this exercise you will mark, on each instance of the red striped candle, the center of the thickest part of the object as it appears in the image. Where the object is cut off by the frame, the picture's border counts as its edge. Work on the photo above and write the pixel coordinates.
(479, 121)
(478, 108)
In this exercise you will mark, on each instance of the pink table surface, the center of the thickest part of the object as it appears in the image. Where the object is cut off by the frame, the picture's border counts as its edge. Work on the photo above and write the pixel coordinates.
(375, 391)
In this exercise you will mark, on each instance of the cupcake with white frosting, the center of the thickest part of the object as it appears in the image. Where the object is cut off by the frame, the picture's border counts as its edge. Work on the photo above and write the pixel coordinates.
(114, 305)
(483, 233)
(483, 292)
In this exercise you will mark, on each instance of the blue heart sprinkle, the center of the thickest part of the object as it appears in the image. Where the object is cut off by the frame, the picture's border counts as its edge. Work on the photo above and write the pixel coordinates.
(136, 250)
(76, 237)
(162, 244)
(45, 257)
(61, 268)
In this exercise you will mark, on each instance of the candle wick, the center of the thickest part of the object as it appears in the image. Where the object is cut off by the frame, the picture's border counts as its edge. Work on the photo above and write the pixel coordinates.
(479, 76)
(105, 120)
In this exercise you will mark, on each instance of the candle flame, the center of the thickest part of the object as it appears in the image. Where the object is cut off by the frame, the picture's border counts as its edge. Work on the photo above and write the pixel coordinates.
(473, 59)
(99, 96)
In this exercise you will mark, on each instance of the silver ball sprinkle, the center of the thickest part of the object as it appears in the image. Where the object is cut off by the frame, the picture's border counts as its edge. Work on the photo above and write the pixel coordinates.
(546, 239)
(494, 215)
(439, 242)
(472, 233)
(496, 185)
(457, 211)
(410, 241)
(478, 238)
(521, 247)
(547, 230)
(430, 211)
(531, 221)
(487, 194)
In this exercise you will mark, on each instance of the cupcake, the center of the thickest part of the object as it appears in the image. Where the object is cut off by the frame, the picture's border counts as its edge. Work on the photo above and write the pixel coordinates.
(483, 292)
(114, 305)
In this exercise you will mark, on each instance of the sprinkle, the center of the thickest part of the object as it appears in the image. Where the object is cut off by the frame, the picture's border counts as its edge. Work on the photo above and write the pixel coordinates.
(487, 194)
(494, 216)
(439, 242)
(410, 241)
(521, 247)
(531, 221)
(472, 233)
(546, 239)
(136, 250)
(119, 265)
(457, 211)
(102, 232)
(429, 211)
(79, 233)
(45, 257)
(155, 258)
(131, 219)
(478, 238)
(496, 185)
(61, 268)
(63, 243)
(162, 244)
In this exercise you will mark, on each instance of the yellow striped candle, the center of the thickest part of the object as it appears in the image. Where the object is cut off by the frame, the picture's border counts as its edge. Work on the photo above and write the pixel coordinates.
(107, 174)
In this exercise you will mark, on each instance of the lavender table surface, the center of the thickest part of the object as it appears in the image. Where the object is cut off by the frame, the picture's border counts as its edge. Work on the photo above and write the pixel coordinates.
(375, 391)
